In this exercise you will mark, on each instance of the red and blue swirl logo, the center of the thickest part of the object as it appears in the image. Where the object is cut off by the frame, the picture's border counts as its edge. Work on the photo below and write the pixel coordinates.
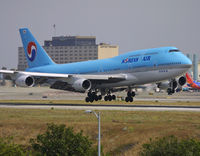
(31, 51)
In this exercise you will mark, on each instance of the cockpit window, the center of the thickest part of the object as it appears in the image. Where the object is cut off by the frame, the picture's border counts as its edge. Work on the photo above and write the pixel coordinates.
(174, 50)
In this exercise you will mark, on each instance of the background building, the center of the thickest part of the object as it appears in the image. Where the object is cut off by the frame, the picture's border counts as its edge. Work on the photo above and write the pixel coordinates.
(195, 70)
(67, 49)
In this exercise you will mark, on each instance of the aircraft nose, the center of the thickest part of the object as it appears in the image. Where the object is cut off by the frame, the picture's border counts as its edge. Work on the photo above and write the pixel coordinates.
(187, 62)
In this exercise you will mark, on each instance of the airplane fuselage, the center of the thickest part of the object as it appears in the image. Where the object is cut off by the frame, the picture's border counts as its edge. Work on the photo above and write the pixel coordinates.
(142, 66)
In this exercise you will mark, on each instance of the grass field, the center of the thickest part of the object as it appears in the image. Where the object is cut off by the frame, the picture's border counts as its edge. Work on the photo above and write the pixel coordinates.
(123, 132)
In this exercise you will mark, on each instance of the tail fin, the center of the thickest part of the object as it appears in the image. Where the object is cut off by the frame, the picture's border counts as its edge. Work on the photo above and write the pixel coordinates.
(36, 56)
(189, 79)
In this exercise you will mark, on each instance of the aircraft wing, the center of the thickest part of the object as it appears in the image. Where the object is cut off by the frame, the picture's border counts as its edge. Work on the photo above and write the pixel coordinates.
(8, 74)
(65, 76)
(7, 71)
(71, 82)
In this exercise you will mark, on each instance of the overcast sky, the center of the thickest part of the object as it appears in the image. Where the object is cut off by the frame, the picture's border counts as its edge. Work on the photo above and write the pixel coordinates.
(131, 24)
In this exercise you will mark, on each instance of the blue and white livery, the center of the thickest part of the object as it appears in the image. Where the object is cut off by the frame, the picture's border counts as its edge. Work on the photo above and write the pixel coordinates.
(105, 76)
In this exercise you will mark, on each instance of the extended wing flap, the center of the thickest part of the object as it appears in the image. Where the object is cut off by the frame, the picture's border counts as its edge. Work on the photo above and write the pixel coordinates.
(100, 77)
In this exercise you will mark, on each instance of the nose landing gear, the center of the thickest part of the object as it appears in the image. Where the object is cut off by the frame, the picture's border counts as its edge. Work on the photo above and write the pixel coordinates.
(130, 96)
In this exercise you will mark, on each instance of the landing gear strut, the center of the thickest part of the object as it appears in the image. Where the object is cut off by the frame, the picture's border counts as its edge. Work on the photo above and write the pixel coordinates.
(130, 96)
(173, 85)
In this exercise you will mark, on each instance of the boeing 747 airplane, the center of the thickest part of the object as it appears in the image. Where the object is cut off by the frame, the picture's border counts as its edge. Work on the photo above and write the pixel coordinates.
(98, 78)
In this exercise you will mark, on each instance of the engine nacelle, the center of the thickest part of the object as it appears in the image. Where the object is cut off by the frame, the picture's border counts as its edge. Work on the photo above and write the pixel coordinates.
(166, 85)
(182, 81)
(81, 85)
(25, 81)
(163, 85)
(172, 86)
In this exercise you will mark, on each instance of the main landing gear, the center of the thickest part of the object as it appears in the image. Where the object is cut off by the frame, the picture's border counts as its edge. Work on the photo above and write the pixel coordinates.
(109, 97)
(92, 96)
(130, 96)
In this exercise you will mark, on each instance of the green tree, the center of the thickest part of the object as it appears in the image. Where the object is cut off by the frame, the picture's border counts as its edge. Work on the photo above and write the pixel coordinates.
(171, 146)
(8, 148)
(59, 140)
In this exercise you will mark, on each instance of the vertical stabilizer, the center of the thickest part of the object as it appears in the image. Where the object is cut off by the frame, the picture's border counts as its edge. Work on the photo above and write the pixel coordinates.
(189, 79)
(36, 56)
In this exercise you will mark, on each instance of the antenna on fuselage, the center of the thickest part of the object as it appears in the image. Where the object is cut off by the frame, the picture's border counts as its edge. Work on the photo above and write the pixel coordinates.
(54, 27)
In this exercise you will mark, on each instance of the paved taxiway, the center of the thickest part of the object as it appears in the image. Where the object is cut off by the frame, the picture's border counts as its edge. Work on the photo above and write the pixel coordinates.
(44, 93)
(102, 107)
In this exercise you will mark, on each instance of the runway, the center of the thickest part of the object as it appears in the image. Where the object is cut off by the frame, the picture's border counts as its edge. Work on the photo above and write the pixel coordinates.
(102, 107)
(44, 93)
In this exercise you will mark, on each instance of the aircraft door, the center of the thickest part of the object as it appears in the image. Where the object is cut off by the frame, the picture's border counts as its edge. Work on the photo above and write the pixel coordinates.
(155, 63)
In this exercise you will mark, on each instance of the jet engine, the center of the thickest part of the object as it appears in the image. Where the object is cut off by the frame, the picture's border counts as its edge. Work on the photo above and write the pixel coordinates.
(25, 81)
(81, 85)
(76, 85)
(182, 81)
(172, 85)
(166, 85)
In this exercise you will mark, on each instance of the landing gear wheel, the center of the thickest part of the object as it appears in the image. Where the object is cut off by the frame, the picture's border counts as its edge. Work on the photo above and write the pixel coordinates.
(127, 99)
(130, 99)
(113, 97)
(96, 98)
(87, 99)
(170, 91)
(129, 94)
(109, 97)
(91, 99)
(132, 94)
(106, 98)
(99, 97)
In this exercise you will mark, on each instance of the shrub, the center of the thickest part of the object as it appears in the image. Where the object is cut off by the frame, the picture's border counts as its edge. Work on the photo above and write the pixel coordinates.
(171, 146)
(59, 140)
(8, 148)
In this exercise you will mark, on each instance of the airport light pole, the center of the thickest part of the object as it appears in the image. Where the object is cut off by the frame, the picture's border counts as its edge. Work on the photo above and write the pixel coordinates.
(99, 129)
